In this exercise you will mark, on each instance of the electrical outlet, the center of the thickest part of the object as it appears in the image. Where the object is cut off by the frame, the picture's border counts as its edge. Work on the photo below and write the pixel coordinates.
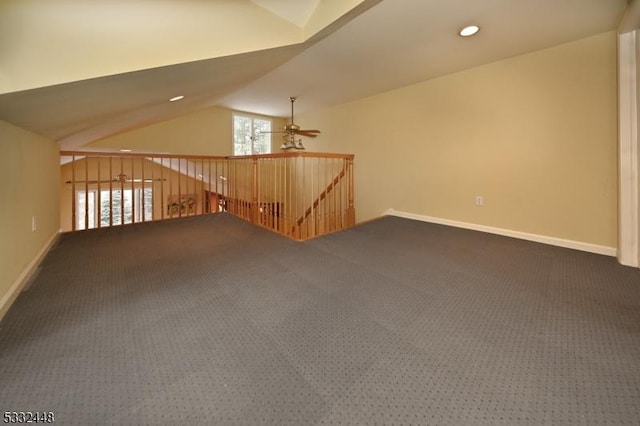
(479, 200)
(34, 224)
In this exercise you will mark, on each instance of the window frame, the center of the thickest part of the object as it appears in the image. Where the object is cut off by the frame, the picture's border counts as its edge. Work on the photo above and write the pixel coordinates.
(117, 219)
(252, 117)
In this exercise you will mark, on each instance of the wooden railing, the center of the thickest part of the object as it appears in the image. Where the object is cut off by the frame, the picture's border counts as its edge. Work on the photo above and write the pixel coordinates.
(301, 194)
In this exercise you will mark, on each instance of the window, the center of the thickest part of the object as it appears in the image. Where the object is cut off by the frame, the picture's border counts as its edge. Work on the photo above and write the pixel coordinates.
(248, 136)
(89, 203)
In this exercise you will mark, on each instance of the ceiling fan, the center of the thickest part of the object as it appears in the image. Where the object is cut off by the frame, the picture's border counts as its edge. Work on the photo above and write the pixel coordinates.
(292, 130)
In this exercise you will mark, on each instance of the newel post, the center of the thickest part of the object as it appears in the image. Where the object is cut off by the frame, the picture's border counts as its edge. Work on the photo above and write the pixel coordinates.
(254, 192)
(351, 210)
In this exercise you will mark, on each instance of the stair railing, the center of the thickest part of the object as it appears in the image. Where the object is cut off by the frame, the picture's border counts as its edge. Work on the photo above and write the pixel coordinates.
(301, 194)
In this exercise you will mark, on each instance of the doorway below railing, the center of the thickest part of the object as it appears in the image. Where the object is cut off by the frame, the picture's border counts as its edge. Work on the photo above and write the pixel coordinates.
(301, 195)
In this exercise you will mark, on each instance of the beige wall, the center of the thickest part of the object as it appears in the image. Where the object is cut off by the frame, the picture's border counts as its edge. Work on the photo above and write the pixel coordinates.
(535, 135)
(29, 170)
(206, 132)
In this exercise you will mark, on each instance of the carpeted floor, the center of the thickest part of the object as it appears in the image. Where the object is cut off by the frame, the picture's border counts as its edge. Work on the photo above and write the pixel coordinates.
(210, 320)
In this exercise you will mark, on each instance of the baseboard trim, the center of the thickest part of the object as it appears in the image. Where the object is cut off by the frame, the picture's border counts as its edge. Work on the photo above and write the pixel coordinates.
(576, 245)
(15, 289)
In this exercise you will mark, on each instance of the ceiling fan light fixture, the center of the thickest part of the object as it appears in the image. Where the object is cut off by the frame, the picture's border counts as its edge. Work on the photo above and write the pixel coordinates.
(469, 31)
(287, 144)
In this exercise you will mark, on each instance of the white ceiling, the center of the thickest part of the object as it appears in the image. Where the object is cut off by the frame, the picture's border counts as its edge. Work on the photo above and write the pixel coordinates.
(390, 44)
(297, 12)
(400, 42)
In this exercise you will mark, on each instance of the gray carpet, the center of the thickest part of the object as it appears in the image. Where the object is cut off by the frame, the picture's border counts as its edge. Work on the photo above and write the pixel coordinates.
(210, 320)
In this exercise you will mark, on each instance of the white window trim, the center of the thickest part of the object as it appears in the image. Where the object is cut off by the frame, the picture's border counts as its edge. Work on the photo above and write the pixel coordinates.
(252, 117)
(95, 214)
(629, 153)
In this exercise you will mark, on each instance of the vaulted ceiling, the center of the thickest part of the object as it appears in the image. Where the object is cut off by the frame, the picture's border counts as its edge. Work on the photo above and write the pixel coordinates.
(80, 70)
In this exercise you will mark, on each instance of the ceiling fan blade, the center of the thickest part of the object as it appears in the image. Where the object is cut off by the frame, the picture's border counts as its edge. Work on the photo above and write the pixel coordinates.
(305, 133)
(310, 131)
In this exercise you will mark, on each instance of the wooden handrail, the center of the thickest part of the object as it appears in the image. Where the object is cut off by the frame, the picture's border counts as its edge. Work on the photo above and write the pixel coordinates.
(212, 157)
(295, 154)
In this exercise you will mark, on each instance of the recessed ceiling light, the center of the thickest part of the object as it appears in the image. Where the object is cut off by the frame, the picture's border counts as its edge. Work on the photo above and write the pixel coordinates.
(125, 150)
(469, 31)
(176, 98)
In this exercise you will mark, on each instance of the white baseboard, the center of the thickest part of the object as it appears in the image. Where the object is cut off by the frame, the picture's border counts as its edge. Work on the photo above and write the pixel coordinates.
(576, 245)
(11, 295)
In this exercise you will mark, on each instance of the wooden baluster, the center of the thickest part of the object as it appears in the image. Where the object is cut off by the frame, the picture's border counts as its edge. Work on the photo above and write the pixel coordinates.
(233, 165)
(297, 195)
(99, 196)
(133, 191)
(217, 177)
(179, 187)
(231, 182)
(273, 202)
(202, 186)
(333, 195)
(246, 197)
(170, 196)
(254, 191)
(162, 185)
(121, 191)
(265, 186)
(329, 185)
(285, 208)
(86, 192)
(321, 188)
(260, 188)
(272, 181)
(280, 200)
(237, 171)
(188, 179)
(195, 190)
(153, 188)
(340, 167)
(73, 192)
(351, 214)
(142, 184)
(209, 184)
(304, 204)
(247, 191)
(110, 190)
(314, 214)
